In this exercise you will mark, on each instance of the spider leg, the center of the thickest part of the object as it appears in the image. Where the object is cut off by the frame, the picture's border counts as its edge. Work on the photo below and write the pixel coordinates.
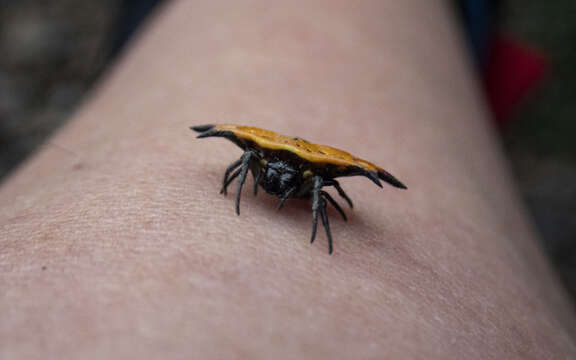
(229, 180)
(286, 197)
(257, 178)
(334, 203)
(341, 192)
(229, 170)
(246, 157)
(326, 225)
(315, 205)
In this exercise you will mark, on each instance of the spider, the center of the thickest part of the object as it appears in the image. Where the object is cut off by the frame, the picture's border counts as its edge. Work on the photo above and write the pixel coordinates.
(291, 167)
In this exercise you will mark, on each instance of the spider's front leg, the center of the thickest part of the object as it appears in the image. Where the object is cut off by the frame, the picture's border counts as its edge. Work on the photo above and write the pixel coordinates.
(257, 175)
(234, 170)
(227, 178)
(246, 162)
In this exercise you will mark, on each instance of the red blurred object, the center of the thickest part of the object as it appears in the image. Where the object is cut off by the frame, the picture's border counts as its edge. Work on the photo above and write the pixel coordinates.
(513, 69)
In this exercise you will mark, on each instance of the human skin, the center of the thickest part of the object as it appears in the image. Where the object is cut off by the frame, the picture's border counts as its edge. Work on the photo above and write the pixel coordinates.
(116, 244)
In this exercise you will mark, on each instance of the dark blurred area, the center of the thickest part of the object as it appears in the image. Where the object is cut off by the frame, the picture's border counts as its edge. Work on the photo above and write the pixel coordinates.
(53, 51)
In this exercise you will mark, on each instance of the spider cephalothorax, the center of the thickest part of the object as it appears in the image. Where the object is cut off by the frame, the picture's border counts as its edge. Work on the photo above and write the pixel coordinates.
(280, 178)
(290, 167)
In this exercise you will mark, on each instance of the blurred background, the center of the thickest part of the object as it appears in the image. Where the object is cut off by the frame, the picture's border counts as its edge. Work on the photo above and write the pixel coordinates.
(53, 51)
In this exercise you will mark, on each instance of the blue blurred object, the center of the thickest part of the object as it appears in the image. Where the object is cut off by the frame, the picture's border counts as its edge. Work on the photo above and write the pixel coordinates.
(132, 14)
(479, 18)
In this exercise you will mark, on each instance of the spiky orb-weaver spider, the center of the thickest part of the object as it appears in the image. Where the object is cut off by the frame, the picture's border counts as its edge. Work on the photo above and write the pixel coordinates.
(293, 168)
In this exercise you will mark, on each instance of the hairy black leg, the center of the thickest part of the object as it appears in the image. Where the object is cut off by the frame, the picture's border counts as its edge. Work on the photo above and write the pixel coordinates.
(334, 203)
(229, 181)
(315, 205)
(246, 157)
(286, 196)
(257, 179)
(341, 192)
(229, 170)
(326, 224)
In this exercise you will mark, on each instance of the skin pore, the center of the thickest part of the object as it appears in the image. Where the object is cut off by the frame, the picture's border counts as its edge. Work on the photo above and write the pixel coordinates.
(122, 247)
